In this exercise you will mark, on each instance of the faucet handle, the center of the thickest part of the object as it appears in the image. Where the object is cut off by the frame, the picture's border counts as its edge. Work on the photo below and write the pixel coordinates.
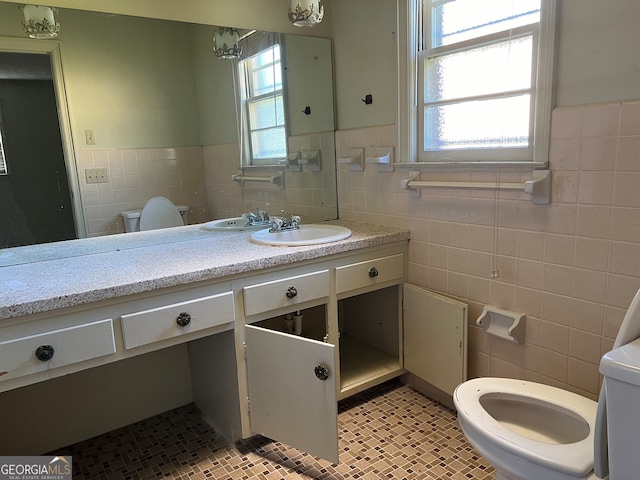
(276, 224)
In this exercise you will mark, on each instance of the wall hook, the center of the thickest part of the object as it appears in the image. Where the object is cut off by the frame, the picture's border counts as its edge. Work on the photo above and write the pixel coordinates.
(368, 99)
(307, 110)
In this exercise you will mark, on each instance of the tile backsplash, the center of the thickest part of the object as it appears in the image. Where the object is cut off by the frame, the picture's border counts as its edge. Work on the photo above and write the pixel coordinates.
(201, 178)
(572, 266)
(310, 194)
(135, 176)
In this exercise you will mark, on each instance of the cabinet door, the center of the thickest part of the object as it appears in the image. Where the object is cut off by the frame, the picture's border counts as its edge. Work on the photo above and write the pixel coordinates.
(287, 400)
(435, 338)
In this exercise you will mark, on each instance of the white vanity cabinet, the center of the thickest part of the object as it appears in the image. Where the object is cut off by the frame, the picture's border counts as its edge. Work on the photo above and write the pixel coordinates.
(370, 321)
(43, 346)
(290, 379)
(176, 319)
(46, 350)
(351, 339)
(224, 342)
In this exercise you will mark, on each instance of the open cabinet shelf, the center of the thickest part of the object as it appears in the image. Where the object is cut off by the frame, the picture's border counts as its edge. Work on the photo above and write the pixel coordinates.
(361, 364)
(369, 343)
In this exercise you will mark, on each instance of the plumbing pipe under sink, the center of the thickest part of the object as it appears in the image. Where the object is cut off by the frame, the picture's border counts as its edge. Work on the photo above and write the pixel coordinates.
(293, 323)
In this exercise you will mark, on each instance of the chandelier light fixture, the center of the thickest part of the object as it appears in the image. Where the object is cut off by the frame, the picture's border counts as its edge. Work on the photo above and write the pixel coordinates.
(39, 21)
(226, 44)
(305, 13)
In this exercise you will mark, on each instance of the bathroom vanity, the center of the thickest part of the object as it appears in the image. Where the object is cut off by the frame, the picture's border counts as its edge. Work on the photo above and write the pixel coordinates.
(230, 303)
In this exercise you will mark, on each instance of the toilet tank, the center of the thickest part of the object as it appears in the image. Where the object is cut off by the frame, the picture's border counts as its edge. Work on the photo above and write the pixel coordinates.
(621, 370)
(132, 218)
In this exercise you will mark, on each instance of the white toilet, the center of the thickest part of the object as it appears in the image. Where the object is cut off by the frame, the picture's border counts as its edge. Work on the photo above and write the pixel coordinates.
(531, 431)
(158, 212)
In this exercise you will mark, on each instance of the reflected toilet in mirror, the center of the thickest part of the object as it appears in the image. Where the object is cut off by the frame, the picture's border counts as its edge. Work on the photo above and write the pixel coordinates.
(158, 212)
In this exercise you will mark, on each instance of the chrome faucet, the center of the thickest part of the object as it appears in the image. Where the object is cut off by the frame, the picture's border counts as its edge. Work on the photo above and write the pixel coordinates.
(259, 218)
(279, 224)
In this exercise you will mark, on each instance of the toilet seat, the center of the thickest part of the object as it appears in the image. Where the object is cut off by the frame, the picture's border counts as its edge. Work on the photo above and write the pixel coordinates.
(160, 212)
(574, 459)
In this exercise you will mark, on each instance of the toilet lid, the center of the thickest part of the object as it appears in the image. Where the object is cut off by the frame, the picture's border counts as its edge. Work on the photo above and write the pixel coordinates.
(160, 212)
(572, 458)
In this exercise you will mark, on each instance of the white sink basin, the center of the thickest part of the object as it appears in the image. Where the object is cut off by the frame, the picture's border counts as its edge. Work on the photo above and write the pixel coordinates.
(237, 224)
(312, 234)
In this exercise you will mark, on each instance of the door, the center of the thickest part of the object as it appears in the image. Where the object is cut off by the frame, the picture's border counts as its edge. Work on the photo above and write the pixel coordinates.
(35, 191)
(435, 337)
(292, 391)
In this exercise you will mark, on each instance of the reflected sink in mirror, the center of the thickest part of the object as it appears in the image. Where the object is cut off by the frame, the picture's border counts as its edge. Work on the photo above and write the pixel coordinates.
(168, 103)
(312, 234)
(237, 224)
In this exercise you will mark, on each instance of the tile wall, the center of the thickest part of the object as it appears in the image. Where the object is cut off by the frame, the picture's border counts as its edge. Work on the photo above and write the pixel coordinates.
(135, 176)
(307, 193)
(572, 266)
(200, 177)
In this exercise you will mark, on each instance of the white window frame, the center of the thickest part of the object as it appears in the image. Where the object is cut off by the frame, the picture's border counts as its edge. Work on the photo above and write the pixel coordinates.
(410, 110)
(246, 99)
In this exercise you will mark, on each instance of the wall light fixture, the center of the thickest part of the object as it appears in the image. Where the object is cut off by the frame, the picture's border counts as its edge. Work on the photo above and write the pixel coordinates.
(226, 43)
(39, 21)
(305, 13)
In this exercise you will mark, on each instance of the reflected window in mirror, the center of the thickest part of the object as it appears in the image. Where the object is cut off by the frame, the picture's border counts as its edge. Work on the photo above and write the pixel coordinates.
(261, 96)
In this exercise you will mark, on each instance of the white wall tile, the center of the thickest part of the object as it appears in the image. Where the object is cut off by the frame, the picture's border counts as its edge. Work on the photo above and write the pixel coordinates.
(572, 266)
(630, 118)
(628, 154)
(593, 221)
(595, 188)
(627, 193)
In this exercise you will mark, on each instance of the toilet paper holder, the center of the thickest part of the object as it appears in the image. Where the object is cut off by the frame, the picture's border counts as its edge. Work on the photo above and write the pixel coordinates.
(502, 323)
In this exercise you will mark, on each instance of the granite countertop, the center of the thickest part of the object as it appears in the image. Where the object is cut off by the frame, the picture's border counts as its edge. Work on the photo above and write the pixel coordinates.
(46, 277)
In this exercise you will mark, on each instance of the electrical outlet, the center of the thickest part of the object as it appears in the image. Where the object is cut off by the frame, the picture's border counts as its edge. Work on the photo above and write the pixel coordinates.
(90, 137)
(96, 175)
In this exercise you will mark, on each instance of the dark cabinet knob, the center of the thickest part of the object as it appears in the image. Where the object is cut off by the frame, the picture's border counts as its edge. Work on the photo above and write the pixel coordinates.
(292, 292)
(44, 353)
(183, 319)
(373, 272)
(321, 371)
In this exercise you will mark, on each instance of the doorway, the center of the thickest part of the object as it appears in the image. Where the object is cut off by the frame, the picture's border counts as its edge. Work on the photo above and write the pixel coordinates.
(38, 177)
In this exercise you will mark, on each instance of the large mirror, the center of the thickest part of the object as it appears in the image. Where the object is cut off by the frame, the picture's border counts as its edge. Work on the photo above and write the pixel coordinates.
(151, 111)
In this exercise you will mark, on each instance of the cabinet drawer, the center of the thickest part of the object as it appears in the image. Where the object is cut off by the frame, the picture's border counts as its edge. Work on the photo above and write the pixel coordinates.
(286, 292)
(371, 272)
(149, 326)
(62, 347)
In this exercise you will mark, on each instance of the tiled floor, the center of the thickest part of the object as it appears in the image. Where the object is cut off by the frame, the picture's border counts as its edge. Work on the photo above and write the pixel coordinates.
(388, 432)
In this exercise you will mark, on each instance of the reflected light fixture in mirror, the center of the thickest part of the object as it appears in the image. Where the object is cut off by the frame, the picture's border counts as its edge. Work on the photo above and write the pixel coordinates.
(305, 13)
(39, 21)
(226, 43)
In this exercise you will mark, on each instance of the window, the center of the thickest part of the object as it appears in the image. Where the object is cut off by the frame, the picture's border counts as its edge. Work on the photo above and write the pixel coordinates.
(484, 80)
(262, 99)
